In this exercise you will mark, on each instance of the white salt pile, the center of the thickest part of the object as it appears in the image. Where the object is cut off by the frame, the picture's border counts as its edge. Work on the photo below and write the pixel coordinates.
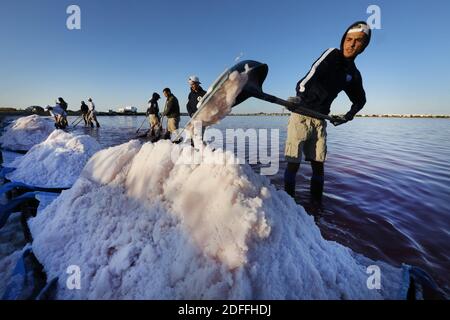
(25, 132)
(55, 163)
(141, 223)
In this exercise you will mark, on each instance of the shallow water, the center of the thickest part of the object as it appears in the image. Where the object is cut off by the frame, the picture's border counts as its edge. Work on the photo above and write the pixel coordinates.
(387, 186)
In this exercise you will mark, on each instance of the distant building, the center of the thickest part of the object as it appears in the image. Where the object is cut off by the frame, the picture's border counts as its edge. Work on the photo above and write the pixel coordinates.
(128, 109)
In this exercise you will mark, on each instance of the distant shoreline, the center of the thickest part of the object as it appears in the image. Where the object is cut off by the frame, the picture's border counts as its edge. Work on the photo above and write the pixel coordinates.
(10, 112)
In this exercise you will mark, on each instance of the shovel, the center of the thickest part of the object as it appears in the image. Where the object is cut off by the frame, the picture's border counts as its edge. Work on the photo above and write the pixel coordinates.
(256, 73)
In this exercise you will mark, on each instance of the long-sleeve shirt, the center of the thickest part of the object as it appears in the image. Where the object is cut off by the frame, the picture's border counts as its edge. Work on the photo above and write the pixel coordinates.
(329, 75)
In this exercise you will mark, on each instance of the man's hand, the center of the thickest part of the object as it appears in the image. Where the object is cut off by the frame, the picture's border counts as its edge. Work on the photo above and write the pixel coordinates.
(338, 120)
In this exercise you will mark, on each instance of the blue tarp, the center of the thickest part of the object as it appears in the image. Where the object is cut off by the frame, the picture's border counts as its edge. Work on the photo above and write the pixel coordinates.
(9, 156)
(4, 171)
(7, 209)
(19, 284)
(31, 192)
(13, 185)
(25, 283)
(48, 291)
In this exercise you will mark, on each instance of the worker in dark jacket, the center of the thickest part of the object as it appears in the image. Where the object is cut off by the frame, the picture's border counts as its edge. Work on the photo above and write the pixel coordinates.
(153, 114)
(171, 111)
(194, 98)
(333, 72)
(195, 95)
(59, 114)
(84, 112)
(62, 103)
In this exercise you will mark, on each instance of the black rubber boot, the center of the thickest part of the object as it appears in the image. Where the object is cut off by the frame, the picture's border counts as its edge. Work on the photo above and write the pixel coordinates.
(289, 179)
(290, 189)
(317, 180)
(316, 189)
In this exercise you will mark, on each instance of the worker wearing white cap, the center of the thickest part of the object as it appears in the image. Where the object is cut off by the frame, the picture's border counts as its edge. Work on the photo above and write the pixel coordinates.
(195, 96)
(333, 72)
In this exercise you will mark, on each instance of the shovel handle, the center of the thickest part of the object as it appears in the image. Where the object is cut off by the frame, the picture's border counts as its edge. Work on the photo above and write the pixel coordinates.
(141, 124)
(75, 120)
(291, 106)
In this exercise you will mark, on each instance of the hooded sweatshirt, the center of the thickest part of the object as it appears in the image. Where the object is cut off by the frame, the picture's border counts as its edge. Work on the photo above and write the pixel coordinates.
(328, 76)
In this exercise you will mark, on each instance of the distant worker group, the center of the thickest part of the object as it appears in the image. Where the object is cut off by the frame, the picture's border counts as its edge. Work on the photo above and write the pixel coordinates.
(59, 113)
(88, 113)
(171, 110)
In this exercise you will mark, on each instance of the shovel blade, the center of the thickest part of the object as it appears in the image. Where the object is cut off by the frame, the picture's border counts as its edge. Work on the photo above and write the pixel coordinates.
(257, 73)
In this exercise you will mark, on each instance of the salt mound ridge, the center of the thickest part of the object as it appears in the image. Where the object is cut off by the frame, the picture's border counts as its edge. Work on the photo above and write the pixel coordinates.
(25, 132)
(142, 226)
(55, 163)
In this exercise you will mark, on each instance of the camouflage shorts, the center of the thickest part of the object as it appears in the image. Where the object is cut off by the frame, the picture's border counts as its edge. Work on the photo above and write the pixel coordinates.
(308, 136)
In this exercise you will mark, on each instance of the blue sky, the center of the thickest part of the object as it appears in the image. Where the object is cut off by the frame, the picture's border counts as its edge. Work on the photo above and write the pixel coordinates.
(125, 50)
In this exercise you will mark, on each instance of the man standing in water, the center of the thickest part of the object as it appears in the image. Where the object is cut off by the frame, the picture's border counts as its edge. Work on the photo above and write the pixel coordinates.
(153, 114)
(92, 113)
(84, 112)
(171, 111)
(59, 114)
(333, 72)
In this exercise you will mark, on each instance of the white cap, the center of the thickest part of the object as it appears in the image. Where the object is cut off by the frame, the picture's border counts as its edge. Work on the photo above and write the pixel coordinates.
(193, 79)
(360, 28)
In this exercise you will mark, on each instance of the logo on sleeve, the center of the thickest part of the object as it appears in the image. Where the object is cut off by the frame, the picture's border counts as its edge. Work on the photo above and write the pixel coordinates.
(349, 78)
